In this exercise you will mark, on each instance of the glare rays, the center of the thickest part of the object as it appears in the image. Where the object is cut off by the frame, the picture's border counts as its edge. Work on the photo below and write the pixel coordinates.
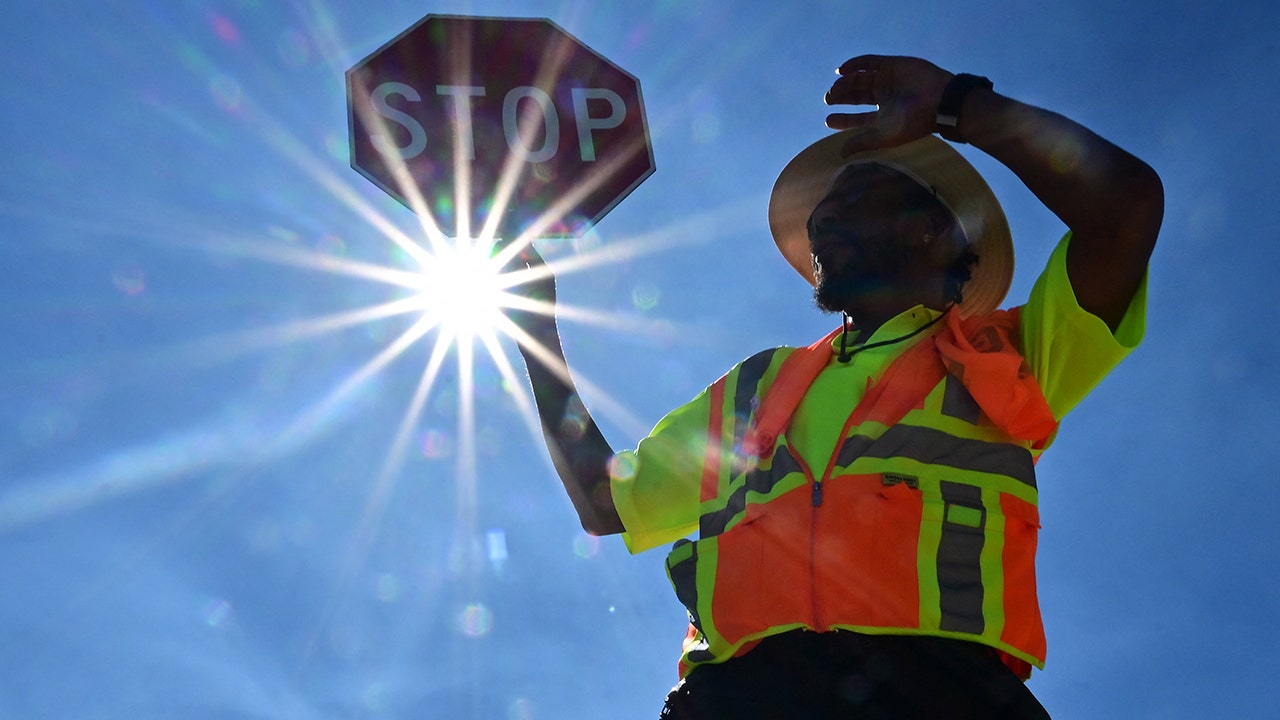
(452, 292)
(447, 297)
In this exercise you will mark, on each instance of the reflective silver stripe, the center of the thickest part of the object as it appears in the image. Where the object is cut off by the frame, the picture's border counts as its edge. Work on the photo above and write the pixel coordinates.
(958, 403)
(746, 396)
(682, 570)
(959, 558)
(746, 386)
(936, 447)
(760, 481)
(701, 653)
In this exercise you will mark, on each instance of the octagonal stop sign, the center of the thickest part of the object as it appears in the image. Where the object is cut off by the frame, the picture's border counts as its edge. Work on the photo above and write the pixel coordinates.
(479, 115)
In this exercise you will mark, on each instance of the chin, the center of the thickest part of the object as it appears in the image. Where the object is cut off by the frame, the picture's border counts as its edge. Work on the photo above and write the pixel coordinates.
(836, 295)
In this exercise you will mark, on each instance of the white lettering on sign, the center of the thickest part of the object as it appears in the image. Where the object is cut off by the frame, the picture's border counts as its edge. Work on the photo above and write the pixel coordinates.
(586, 123)
(417, 136)
(462, 114)
(550, 121)
(514, 120)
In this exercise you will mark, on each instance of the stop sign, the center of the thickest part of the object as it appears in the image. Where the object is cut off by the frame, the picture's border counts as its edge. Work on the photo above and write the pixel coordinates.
(475, 115)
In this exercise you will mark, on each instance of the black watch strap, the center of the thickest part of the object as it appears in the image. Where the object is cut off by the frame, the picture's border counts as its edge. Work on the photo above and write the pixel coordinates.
(952, 97)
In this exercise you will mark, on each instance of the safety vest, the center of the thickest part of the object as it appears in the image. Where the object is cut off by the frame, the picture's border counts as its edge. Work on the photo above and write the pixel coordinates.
(923, 521)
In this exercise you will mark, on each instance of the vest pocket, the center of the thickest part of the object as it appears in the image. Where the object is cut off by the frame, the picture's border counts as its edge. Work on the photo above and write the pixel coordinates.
(1021, 532)
(1023, 628)
(866, 537)
(961, 542)
(975, 542)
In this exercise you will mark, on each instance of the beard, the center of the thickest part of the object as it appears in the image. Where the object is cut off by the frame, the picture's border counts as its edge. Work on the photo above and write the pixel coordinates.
(872, 278)
(843, 293)
(834, 295)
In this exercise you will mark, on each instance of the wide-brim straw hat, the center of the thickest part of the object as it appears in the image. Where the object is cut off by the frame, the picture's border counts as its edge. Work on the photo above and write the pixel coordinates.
(808, 177)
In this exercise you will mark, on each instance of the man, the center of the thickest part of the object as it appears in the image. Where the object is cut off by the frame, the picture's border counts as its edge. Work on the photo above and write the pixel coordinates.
(865, 508)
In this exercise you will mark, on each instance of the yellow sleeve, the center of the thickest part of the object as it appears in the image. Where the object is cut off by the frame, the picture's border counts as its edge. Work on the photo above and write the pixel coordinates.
(1068, 349)
(657, 488)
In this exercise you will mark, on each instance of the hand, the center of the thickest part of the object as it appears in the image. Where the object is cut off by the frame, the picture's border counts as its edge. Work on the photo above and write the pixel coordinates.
(906, 90)
(533, 306)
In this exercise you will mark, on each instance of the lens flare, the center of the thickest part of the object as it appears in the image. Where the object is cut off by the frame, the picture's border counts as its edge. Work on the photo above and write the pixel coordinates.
(462, 288)
(455, 296)
(475, 620)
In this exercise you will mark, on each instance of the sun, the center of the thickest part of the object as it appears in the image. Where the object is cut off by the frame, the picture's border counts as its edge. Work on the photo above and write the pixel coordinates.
(462, 290)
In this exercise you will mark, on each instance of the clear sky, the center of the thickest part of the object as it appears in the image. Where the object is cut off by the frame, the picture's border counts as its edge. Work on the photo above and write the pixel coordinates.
(219, 497)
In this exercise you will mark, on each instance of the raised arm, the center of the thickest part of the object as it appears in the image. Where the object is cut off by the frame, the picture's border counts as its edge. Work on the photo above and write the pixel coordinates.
(1112, 201)
(578, 449)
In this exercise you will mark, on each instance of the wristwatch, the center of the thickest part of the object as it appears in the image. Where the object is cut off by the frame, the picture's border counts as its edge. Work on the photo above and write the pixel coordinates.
(952, 97)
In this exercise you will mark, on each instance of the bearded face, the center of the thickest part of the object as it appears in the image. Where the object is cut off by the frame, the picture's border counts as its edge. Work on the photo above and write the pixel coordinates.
(880, 239)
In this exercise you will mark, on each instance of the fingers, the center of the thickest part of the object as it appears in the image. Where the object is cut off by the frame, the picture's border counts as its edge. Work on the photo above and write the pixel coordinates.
(904, 90)
(862, 63)
(864, 80)
(860, 79)
(849, 121)
(856, 89)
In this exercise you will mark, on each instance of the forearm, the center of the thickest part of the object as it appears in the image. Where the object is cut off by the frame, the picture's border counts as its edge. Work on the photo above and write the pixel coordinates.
(1112, 201)
(578, 449)
(1088, 182)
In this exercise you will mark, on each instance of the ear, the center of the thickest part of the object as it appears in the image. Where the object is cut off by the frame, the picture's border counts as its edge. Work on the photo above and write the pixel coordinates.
(959, 273)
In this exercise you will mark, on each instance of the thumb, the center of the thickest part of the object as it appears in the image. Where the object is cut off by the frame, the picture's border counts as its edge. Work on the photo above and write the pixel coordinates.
(530, 256)
(853, 121)
(520, 257)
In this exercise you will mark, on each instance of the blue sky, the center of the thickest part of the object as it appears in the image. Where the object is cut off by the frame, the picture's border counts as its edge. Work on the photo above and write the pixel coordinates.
(203, 510)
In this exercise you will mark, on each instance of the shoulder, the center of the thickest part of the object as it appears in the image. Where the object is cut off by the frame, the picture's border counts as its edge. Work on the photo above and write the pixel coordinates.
(756, 367)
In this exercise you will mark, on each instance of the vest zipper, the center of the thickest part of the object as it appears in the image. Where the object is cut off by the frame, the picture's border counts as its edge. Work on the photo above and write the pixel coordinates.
(813, 542)
(813, 552)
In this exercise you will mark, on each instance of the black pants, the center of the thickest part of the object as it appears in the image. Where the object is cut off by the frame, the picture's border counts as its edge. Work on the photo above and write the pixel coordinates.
(847, 675)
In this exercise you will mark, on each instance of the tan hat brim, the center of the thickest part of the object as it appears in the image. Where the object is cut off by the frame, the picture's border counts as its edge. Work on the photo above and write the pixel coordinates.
(806, 179)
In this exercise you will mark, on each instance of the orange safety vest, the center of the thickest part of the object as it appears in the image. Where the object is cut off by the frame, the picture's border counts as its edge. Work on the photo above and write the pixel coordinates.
(923, 521)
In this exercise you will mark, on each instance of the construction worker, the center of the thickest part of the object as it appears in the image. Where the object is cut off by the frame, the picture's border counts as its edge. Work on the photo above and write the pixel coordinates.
(854, 523)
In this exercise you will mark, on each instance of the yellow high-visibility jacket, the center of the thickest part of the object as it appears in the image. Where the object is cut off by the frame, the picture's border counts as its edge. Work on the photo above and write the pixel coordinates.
(922, 519)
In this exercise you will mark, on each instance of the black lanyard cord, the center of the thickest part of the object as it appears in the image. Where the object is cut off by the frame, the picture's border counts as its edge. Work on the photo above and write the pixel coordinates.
(847, 353)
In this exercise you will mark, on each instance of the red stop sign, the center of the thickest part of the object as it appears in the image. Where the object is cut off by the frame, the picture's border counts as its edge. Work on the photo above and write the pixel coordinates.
(475, 115)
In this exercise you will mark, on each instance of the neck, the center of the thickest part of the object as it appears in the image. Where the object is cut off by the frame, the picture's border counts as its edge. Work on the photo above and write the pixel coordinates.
(867, 324)
(872, 311)
(867, 328)
(868, 321)
(847, 351)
